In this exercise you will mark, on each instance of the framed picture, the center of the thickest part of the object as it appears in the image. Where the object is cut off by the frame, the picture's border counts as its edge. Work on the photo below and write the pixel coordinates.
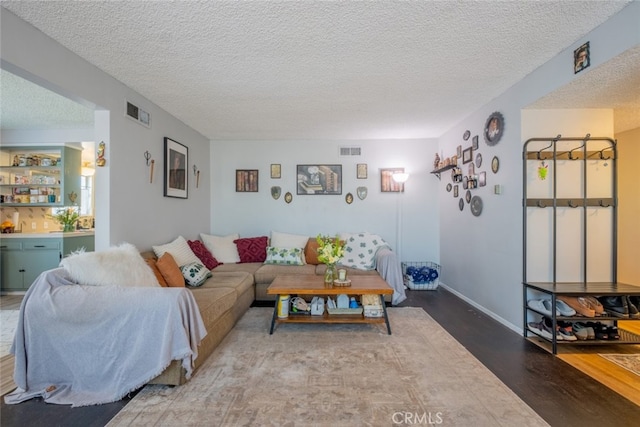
(455, 190)
(482, 179)
(495, 164)
(467, 155)
(459, 151)
(387, 184)
(474, 142)
(319, 179)
(581, 58)
(276, 171)
(493, 128)
(176, 159)
(246, 180)
(361, 171)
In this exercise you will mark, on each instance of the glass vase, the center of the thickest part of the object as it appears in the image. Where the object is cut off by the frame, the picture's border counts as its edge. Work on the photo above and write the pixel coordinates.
(68, 227)
(330, 274)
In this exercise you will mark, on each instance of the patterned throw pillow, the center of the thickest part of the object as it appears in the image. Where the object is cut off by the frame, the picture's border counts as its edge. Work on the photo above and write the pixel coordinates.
(203, 254)
(252, 249)
(195, 274)
(284, 256)
(179, 249)
(360, 251)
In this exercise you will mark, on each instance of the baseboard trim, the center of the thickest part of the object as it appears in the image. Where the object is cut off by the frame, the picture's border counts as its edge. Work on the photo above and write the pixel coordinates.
(489, 313)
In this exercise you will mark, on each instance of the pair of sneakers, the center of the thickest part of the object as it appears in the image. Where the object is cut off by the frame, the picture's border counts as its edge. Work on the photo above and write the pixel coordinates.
(544, 328)
(623, 306)
(543, 306)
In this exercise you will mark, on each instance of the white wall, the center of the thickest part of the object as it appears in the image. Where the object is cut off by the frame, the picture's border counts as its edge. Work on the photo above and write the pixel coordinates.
(128, 207)
(253, 214)
(482, 257)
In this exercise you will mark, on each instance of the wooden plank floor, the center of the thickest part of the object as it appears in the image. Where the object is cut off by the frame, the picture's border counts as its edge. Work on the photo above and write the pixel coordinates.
(561, 394)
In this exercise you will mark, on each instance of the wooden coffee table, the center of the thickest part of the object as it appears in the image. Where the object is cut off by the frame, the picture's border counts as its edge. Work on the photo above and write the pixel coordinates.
(313, 285)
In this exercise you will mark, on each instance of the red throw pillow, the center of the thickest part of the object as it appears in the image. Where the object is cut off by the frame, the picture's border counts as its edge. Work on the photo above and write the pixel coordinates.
(252, 249)
(203, 254)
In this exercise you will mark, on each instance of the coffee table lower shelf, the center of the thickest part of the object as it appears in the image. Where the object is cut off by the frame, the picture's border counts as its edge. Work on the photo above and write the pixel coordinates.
(329, 318)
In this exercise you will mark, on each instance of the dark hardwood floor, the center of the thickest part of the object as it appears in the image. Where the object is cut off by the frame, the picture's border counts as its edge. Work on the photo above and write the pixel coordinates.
(562, 395)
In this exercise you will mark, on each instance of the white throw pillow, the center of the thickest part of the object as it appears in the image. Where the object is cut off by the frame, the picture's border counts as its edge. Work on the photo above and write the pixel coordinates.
(287, 241)
(222, 248)
(195, 274)
(179, 250)
(117, 266)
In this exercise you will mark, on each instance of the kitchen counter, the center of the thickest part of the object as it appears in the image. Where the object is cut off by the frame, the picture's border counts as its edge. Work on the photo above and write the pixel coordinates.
(51, 234)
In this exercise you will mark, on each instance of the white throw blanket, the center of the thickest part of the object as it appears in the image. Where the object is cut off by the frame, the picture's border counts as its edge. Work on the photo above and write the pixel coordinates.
(88, 345)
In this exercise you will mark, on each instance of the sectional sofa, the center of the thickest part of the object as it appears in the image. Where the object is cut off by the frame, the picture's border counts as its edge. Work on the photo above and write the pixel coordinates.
(232, 287)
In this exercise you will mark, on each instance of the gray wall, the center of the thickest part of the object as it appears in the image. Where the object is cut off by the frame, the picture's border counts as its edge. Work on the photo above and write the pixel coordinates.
(128, 207)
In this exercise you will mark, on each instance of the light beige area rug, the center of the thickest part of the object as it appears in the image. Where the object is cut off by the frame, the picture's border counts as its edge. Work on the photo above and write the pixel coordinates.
(630, 362)
(334, 375)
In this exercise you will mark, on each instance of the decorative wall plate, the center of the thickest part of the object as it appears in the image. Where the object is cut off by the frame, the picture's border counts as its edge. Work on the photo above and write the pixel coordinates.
(349, 198)
(275, 192)
(449, 186)
(495, 164)
(467, 196)
(361, 192)
(478, 160)
(466, 135)
(476, 205)
(288, 197)
(461, 204)
(493, 129)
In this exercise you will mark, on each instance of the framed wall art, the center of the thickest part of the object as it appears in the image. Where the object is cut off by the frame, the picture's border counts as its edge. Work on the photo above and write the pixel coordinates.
(493, 129)
(276, 171)
(467, 155)
(246, 180)
(319, 179)
(387, 184)
(361, 171)
(474, 142)
(581, 58)
(176, 158)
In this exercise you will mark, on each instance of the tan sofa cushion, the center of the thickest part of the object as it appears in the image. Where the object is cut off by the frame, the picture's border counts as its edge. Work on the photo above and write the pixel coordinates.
(268, 272)
(248, 267)
(213, 302)
(238, 280)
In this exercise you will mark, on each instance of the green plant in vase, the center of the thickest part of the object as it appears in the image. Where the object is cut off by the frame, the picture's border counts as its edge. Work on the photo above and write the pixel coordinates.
(67, 217)
(330, 251)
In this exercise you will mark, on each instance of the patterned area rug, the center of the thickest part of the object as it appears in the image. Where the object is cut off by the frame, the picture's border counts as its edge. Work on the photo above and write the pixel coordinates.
(630, 362)
(337, 375)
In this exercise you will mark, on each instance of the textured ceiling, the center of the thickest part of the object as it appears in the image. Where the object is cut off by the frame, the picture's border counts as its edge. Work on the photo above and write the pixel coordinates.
(317, 69)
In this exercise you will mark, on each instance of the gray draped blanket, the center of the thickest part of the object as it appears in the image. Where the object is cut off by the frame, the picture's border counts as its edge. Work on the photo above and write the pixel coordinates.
(389, 268)
(88, 345)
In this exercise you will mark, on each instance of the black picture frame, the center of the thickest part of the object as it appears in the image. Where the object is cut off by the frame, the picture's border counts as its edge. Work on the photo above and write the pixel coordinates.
(467, 155)
(581, 58)
(246, 180)
(176, 162)
(319, 179)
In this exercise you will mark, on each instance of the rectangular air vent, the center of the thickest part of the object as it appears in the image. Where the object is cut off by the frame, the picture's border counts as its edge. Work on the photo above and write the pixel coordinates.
(137, 114)
(350, 151)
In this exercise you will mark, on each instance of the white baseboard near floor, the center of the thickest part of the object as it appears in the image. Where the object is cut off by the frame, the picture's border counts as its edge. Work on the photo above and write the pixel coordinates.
(483, 309)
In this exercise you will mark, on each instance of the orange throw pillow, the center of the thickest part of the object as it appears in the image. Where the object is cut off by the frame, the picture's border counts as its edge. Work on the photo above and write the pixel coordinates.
(152, 263)
(311, 252)
(170, 271)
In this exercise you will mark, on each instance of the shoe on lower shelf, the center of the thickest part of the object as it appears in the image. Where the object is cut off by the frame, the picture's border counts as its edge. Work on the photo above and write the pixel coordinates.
(566, 331)
(583, 332)
(538, 328)
(600, 330)
(612, 333)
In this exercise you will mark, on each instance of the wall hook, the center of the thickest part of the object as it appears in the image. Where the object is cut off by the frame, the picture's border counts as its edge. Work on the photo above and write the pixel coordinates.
(541, 204)
(603, 204)
(572, 204)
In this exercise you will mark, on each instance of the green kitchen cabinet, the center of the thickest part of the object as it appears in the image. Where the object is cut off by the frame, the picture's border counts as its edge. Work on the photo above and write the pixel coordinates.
(22, 260)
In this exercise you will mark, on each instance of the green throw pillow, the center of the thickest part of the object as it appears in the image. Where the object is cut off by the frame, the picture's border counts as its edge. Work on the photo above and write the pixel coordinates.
(195, 273)
(284, 256)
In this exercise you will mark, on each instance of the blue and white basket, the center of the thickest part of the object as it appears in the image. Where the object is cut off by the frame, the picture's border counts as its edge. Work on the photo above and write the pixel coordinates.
(422, 276)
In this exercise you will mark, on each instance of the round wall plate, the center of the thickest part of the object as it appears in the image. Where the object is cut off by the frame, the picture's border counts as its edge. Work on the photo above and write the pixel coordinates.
(461, 204)
(493, 128)
(478, 160)
(449, 187)
(476, 205)
(466, 135)
(467, 196)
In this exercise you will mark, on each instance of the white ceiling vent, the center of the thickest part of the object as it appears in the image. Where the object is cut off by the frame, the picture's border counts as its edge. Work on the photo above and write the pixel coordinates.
(350, 151)
(137, 114)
